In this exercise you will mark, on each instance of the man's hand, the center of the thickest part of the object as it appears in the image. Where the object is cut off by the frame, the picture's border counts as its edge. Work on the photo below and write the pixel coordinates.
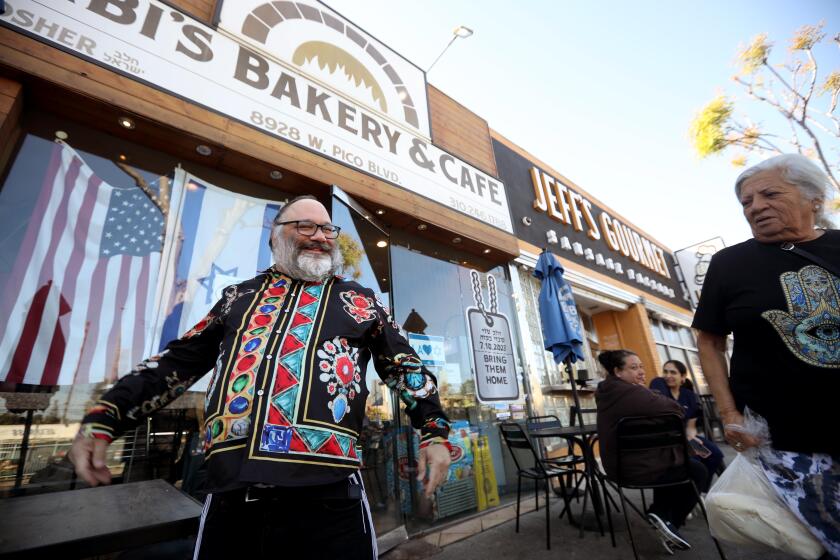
(436, 457)
(88, 457)
(740, 440)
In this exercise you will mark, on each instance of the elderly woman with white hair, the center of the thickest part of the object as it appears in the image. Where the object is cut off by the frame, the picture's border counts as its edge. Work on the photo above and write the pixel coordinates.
(779, 296)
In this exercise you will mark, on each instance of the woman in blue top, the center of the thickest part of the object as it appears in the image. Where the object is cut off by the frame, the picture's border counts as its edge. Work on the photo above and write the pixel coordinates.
(673, 385)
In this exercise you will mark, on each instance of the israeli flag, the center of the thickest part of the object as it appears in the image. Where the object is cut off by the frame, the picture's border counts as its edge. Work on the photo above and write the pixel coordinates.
(214, 238)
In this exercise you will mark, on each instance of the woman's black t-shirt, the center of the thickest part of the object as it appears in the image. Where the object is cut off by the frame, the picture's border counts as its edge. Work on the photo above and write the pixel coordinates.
(784, 313)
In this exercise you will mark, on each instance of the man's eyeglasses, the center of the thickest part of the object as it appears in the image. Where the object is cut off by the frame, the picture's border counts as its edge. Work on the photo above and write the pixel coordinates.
(307, 228)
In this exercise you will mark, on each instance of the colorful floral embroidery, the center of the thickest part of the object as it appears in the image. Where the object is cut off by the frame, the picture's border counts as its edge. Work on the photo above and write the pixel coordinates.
(405, 376)
(200, 326)
(175, 387)
(435, 423)
(232, 294)
(151, 363)
(359, 307)
(340, 371)
(388, 317)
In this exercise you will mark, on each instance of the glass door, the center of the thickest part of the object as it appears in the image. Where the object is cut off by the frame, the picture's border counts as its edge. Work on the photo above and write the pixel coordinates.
(365, 246)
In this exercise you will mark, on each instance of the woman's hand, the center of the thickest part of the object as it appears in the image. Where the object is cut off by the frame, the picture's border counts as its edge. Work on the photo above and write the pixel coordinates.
(737, 438)
(690, 432)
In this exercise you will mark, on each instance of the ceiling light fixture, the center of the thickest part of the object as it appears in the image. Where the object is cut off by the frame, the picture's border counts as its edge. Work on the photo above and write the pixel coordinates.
(382, 244)
(486, 251)
(276, 174)
(380, 212)
(61, 135)
(422, 227)
(126, 122)
(203, 149)
(456, 240)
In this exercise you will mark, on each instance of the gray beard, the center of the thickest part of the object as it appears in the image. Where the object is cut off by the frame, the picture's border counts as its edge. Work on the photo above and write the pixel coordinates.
(291, 260)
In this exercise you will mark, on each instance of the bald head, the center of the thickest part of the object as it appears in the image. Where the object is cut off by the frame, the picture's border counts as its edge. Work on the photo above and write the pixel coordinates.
(304, 257)
(304, 209)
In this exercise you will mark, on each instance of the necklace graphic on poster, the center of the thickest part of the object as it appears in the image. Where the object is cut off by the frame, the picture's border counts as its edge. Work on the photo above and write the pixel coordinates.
(494, 366)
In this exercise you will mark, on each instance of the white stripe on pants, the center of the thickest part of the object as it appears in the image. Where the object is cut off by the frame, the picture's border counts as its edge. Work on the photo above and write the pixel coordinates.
(356, 478)
(201, 525)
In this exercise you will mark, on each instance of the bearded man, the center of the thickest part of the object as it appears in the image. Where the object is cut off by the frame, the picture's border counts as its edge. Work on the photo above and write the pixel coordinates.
(285, 404)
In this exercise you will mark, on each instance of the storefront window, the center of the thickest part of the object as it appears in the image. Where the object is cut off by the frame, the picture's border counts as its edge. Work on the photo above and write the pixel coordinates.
(552, 378)
(687, 337)
(663, 353)
(675, 342)
(48, 384)
(431, 298)
(82, 228)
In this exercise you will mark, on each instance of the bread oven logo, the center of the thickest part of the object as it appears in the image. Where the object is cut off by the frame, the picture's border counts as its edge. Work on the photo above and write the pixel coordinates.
(703, 255)
(320, 45)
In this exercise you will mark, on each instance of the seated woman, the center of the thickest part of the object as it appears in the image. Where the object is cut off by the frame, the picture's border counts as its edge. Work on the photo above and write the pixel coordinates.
(620, 396)
(673, 385)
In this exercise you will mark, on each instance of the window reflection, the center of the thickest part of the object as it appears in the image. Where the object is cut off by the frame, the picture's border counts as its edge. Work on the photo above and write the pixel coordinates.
(157, 449)
(365, 249)
(431, 298)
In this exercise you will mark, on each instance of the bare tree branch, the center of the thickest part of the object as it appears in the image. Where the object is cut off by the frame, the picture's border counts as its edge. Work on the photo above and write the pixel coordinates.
(781, 79)
(821, 156)
(823, 127)
(813, 82)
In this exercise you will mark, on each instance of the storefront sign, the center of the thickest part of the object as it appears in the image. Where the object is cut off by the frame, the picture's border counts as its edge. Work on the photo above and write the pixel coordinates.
(548, 212)
(317, 42)
(493, 363)
(294, 94)
(429, 348)
(694, 262)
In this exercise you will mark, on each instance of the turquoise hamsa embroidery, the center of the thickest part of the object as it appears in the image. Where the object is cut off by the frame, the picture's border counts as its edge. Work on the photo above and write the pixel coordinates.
(811, 326)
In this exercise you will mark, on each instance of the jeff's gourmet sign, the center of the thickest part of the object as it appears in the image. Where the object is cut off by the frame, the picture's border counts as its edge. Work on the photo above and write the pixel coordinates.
(549, 212)
(295, 70)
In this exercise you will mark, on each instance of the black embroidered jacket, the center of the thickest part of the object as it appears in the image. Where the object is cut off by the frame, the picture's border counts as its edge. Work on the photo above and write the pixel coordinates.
(286, 400)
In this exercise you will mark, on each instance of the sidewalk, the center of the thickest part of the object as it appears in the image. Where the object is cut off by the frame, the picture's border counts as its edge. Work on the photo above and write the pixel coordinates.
(493, 536)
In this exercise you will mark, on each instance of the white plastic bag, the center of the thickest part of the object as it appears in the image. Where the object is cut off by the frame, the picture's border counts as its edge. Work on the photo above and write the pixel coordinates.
(744, 508)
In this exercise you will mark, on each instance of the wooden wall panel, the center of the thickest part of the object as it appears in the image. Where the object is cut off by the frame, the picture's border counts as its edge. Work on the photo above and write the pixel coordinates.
(630, 330)
(200, 9)
(11, 107)
(458, 130)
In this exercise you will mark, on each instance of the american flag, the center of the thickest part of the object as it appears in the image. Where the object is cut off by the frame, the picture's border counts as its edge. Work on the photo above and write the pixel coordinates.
(80, 295)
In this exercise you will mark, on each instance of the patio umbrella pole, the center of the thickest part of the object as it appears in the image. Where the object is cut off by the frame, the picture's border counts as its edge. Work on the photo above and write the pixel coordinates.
(568, 363)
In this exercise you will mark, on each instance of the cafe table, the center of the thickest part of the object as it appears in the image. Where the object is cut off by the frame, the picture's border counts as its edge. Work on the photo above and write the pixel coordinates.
(94, 521)
(584, 436)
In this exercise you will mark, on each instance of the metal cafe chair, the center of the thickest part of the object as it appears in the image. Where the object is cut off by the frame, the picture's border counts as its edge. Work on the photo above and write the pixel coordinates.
(571, 460)
(516, 440)
(645, 433)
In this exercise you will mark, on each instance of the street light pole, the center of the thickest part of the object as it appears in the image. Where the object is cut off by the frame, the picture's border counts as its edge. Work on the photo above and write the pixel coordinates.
(459, 32)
